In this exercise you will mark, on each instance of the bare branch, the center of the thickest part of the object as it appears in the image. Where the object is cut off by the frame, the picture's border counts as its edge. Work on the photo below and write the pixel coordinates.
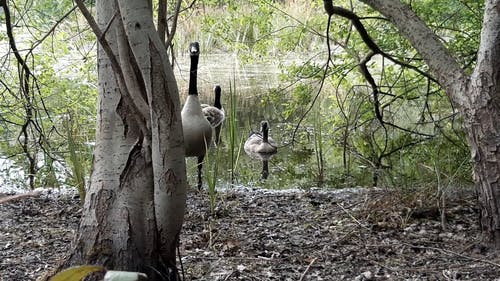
(137, 106)
(24, 76)
(356, 21)
(171, 33)
(162, 18)
(449, 74)
(323, 79)
(20, 196)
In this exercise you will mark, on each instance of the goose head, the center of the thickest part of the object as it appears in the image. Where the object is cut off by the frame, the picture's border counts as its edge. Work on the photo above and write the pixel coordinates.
(194, 49)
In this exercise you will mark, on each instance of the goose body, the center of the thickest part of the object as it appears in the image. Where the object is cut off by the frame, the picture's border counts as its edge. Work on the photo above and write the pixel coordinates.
(196, 129)
(259, 144)
(215, 113)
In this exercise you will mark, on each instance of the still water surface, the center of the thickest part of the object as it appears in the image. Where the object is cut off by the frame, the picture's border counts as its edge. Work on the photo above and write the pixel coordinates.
(249, 83)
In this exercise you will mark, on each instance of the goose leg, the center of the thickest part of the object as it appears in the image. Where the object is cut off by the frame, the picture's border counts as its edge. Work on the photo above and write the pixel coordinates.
(265, 169)
(217, 134)
(200, 165)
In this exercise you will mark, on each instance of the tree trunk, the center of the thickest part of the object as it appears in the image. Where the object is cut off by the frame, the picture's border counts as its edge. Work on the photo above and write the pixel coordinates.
(134, 208)
(482, 116)
(483, 132)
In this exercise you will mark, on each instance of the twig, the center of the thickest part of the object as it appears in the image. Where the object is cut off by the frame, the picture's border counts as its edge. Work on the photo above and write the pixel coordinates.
(307, 270)
(229, 275)
(452, 253)
(352, 217)
(19, 196)
(323, 79)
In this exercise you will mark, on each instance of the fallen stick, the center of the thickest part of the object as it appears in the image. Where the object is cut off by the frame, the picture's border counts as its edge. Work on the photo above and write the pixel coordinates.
(307, 270)
(20, 196)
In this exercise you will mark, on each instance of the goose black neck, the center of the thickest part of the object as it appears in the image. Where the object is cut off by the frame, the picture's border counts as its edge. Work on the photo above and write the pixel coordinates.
(265, 133)
(193, 75)
(194, 51)
(217, 91)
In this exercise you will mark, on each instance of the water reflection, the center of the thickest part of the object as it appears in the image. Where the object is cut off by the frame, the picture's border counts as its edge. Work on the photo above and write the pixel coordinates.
(249, 85)
(248, 81)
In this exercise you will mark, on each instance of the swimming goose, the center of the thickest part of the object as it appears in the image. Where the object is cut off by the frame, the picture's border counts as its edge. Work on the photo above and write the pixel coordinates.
(197, 130)
(215, 114)
(261, 146)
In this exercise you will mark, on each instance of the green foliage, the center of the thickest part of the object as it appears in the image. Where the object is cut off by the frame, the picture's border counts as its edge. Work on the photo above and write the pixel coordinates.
(341, 142)
(243, 28)
(254, 30)
(301, 96)
(457, 22)
(63, 79)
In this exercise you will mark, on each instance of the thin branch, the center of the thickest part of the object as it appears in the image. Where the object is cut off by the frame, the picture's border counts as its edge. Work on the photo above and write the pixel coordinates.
(323, 79)
(453, 253)
(33, 193)
(375, 49)
(24, 77)
(171, 34)
(12, 42)
(356, 21)
(108, 26)
(52, 29)
(303, 276)
(162, 19)
(142, 115)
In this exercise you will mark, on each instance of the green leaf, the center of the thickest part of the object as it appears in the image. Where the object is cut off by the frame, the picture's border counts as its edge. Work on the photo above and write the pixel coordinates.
(76, 273)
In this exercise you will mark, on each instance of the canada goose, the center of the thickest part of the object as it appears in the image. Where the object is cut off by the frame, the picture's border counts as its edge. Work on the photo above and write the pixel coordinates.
(261, 146)
(197, 130)
(215, 114)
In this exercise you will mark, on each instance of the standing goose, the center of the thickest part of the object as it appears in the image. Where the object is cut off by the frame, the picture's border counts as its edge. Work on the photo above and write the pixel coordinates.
(197, 131)
(261, 146)
(215, 114)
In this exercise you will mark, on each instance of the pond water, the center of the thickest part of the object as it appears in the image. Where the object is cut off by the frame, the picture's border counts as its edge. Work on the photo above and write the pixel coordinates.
(291, 167)
(247, 85)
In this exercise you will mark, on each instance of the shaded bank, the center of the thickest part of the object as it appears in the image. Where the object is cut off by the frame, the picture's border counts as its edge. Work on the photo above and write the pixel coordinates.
(274, 235)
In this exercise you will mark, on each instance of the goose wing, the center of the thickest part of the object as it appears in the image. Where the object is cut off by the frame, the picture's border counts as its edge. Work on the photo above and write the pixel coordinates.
(214, 115)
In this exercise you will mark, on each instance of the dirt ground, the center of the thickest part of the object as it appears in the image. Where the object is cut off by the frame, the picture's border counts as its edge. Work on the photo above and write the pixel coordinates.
(252, 234)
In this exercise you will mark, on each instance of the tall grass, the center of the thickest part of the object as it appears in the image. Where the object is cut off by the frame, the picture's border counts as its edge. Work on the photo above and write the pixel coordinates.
(234, 142)
(318, 144)
(212, 175)
(214, 159)
(75, 158)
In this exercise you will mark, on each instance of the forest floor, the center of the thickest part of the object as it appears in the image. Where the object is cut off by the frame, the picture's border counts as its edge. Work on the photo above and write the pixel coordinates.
(252, 234)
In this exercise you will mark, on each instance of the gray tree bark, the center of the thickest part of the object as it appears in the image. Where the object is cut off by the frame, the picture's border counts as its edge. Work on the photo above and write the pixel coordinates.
(477, 96)
(135, 204)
